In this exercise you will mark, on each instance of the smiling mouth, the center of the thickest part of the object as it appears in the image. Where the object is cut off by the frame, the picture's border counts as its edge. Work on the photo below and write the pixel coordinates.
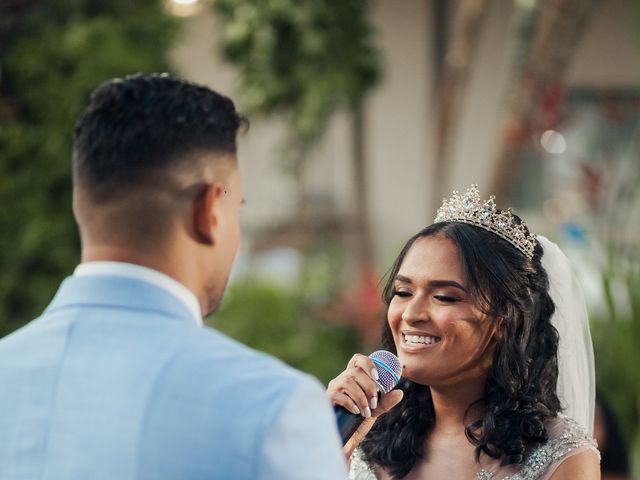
(420, 339)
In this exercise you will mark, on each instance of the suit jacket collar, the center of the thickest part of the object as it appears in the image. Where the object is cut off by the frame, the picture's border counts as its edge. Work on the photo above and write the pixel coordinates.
(118, 292)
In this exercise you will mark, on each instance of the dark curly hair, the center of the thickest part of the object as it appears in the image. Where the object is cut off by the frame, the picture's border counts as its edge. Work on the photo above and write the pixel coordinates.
(134, 129)
(520, 390)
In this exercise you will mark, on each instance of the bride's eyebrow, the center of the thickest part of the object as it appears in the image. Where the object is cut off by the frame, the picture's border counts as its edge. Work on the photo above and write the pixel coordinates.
(403, 279)
(447, 283)
(433, 283)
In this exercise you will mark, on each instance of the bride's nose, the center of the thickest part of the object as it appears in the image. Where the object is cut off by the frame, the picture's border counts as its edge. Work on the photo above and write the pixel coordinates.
(416, 311)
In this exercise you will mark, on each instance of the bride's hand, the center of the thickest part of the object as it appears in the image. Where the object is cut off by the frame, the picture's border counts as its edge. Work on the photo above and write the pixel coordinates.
(356, 390)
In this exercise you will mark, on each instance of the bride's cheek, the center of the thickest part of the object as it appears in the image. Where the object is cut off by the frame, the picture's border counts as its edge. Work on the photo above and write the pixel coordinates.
(394, 316)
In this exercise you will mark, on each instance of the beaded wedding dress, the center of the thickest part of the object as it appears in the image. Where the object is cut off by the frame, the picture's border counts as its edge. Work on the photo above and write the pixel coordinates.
(566, 438)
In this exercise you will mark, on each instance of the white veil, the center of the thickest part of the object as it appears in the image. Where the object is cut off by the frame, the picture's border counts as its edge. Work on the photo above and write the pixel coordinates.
(576, 379)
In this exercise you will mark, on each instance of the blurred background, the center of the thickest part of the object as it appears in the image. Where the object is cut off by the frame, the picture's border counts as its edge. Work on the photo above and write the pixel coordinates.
(364, 114)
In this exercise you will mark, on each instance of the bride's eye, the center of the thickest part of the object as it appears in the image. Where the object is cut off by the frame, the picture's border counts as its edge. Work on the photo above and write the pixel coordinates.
(401, 293)
(446, 298)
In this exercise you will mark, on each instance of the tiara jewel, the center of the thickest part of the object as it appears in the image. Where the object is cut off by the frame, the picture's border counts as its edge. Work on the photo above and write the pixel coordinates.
(469, 208)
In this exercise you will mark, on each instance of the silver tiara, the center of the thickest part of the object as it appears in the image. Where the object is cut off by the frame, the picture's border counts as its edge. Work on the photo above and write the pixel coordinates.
(469, 208)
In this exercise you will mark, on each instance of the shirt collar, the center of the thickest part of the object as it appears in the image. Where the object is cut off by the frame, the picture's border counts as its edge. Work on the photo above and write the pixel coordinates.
(138, 272)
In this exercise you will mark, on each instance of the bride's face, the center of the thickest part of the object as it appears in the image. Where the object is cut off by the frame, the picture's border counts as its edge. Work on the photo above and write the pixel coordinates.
(441, 336)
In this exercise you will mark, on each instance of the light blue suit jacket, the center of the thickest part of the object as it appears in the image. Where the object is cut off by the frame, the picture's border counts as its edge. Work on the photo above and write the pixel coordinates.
(116, 381)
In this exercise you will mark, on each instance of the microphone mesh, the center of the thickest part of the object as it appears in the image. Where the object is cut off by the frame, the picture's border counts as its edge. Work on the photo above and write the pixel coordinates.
(389, 369)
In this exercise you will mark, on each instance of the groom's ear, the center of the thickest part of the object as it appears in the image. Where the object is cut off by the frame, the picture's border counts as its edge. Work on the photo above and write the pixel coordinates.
(206, 212)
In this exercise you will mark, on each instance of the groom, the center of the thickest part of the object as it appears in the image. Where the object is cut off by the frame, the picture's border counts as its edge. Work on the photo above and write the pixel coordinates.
(118, 379)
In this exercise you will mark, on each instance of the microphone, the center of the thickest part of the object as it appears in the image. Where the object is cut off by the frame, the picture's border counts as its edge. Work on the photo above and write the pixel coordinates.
(389, 369)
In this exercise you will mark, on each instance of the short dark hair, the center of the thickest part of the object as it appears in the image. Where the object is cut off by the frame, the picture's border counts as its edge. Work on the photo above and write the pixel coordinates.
(146, 123)
(520, 390)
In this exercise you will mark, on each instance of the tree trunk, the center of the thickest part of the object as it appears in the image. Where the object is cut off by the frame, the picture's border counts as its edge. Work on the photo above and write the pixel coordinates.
(364, 246)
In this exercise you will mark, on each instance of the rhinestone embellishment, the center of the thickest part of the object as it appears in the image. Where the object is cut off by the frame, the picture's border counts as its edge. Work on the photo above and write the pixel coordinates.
(552, 452)
(469, 208)
(468, 204)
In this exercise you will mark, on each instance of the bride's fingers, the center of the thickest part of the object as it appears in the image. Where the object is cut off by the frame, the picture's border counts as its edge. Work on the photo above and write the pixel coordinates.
(357, 385)
(365, 364)
(388, 401)
(342, 399)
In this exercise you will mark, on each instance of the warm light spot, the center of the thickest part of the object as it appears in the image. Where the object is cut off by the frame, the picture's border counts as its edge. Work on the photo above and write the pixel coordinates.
(184, 8)
(553, 142)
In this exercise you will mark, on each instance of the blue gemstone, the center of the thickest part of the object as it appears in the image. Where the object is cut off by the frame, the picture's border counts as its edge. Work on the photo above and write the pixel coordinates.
(468, 204)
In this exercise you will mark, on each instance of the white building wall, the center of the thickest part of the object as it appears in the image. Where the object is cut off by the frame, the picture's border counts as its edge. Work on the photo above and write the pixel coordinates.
(397, 131)
(399, 125)
(269, 194)
(474, 143)
(609, 54)
(399, 115)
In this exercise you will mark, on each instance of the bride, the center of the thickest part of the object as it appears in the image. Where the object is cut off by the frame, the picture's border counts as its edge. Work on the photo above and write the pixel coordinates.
(491, 329)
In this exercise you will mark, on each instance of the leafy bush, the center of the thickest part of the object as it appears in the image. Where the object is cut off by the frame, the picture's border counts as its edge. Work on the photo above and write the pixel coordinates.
(52, 56)
(616, 334)
(305, 59)
(277, 320)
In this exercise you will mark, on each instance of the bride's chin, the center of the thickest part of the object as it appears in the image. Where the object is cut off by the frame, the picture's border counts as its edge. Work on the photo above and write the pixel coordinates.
(415, 375)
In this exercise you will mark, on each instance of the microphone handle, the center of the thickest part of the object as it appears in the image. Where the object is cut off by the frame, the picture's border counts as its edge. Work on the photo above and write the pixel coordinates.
(348, 422)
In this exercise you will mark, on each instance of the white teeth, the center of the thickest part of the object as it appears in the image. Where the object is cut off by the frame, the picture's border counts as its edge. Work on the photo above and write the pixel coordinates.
(421, 339)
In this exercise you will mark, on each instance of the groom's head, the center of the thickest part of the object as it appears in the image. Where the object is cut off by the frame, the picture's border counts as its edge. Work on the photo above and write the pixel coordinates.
(155, 174)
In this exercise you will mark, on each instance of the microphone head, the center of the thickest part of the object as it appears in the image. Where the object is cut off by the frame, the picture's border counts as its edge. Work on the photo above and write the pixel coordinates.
(389, 369)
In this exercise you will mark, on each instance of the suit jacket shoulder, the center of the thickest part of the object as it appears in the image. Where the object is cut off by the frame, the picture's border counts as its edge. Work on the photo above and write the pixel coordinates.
(116, 380)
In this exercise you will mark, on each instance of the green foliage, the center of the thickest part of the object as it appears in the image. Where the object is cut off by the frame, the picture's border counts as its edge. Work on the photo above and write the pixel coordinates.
(276, 320)
(616, 340)
(616, 230)
(59, 51)
(302, 58)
